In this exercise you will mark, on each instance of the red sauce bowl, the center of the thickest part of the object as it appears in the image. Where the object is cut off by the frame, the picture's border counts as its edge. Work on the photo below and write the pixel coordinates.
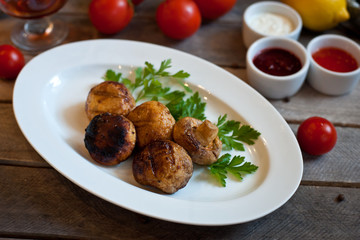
(279, 53)
(334, 64)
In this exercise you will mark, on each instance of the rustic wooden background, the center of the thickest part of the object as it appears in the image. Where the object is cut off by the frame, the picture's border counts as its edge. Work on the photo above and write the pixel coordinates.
(36, 202)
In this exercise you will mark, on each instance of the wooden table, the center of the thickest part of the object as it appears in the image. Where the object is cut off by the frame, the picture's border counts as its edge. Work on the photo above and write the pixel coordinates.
(38, 202)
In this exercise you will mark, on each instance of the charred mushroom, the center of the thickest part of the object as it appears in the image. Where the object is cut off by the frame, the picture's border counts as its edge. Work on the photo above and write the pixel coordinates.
(108, 96)
(110, 139)
(199, 139)
(164, 165)
(153, 121)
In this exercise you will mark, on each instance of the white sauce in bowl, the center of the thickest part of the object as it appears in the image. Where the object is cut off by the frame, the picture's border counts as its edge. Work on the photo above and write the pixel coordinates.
(272, 24)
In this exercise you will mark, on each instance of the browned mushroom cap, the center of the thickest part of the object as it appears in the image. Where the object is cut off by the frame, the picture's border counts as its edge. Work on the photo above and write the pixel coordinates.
(108, 96)
(110, 139)
(153, 121)
(199, 139)
(164, 165)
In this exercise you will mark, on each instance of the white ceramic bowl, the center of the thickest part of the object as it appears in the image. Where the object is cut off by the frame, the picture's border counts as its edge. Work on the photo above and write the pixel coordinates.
(250, 34)
(276, 87)
(330, 82)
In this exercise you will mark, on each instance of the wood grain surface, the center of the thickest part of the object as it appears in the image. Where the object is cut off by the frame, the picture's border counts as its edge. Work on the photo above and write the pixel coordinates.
(37, 202)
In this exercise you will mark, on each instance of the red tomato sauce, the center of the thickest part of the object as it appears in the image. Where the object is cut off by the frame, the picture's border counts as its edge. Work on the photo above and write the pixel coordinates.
(335, 59)
(277, 62)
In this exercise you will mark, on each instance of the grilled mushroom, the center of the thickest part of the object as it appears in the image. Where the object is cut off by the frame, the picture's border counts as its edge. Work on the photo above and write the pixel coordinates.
(153, 121)
(110, 139)
(164, 165)
(108, 96)
(199, 139)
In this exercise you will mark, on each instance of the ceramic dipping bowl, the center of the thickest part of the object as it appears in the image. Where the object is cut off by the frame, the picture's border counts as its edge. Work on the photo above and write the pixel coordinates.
(327, 80)
(269, 18)
(274, 86)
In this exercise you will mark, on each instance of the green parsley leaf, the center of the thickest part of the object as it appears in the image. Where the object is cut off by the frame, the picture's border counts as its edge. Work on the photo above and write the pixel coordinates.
(232, 134)
(236, 166)
(163, 66)
(110, 75)
(191, 107)
(149, 82)
(151, 73)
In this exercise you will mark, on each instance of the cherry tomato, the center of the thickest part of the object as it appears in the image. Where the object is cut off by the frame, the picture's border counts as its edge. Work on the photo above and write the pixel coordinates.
(212, 9)
(11, 61)
(110, 16)
(316, 136)
(178, 19)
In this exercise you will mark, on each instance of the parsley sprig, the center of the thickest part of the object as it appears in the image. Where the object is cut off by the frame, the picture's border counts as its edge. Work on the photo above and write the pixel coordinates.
(232, 133)
(151, 80)
(148, 82)
(192, 107)
(148, 85)
(236, 166)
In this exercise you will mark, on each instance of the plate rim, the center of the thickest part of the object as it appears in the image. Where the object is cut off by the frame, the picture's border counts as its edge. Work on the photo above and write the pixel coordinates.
(193, 220)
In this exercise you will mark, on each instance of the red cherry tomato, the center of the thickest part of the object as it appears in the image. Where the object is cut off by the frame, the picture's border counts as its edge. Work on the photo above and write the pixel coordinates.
(110, 16)
(178, 19)
(316, 136)
(11, 61)
(212, 9)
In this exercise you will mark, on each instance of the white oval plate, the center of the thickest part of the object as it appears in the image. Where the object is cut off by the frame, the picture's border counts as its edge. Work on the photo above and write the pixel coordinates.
(49, 97)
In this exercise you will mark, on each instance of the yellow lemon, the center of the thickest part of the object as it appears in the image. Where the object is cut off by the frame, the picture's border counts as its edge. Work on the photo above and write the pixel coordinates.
(320, 15)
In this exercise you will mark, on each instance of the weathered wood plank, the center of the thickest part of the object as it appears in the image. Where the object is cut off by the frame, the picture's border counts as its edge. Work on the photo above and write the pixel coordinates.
(76, 7)
(341, 110)
(39, 202)
(222, 34)
(219, 42)
(339, 165)
(14, 148)
(143, 27)
(6, 90)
